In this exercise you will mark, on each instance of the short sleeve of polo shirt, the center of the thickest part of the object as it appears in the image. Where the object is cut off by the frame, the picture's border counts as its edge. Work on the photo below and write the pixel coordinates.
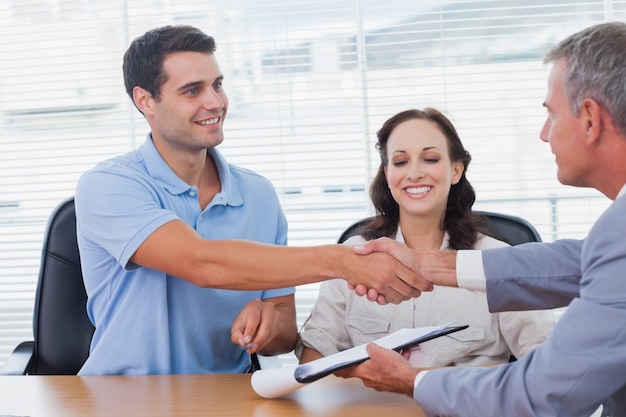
(117, 207)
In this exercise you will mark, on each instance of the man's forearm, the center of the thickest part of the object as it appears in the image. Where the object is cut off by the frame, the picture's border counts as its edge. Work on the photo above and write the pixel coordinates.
(178, 250)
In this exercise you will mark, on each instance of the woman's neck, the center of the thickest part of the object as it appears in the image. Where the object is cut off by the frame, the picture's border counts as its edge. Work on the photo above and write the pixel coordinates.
(422, 233)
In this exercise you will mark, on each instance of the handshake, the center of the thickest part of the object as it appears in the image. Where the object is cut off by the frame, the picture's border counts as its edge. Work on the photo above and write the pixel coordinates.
(390, 272)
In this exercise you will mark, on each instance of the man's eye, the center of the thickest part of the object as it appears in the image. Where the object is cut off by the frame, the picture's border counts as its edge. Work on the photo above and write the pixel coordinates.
(193, 91)
(217, 86)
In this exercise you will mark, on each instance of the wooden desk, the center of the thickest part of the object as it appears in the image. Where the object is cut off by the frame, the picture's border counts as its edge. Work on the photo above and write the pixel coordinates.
(190, 395)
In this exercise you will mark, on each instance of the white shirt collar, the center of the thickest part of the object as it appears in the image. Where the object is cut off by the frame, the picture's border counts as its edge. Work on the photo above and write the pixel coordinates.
(400, 238)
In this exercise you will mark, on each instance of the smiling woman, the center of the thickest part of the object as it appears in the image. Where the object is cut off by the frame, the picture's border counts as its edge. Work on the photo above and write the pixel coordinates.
(419, 171)
(309, 83)
(423, 199)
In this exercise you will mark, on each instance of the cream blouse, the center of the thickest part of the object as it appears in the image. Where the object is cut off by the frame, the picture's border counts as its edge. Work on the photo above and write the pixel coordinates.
(340, 320)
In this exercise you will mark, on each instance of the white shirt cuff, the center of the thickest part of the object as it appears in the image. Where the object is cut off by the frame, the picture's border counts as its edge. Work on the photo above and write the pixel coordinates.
(469, 270)
(417, 380)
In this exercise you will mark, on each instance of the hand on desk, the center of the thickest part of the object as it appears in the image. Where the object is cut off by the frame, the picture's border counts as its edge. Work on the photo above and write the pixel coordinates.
(385, 370)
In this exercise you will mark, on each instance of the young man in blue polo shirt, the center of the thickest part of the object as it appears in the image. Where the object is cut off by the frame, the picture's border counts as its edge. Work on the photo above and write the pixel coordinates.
(181, 251)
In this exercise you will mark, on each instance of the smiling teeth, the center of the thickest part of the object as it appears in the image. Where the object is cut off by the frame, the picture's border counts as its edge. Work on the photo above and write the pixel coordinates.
(209, 122)
(418, 190)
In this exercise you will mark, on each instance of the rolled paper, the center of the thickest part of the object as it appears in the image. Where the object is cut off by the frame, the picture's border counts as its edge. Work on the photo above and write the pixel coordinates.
(275, 382)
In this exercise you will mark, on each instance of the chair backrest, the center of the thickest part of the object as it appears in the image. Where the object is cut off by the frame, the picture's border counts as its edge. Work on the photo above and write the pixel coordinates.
(510, 229)
(513, 230)
(61, 326)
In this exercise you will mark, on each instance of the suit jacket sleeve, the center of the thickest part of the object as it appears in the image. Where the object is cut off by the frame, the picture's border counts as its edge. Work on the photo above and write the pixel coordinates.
(581, 364)
(533, 275)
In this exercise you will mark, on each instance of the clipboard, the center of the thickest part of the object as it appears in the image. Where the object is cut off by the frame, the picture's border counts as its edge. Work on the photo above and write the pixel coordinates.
(398, 340)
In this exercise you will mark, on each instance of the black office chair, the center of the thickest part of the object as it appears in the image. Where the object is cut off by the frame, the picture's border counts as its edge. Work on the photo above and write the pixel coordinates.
(62, 331)
(513, 230)
(510, 229)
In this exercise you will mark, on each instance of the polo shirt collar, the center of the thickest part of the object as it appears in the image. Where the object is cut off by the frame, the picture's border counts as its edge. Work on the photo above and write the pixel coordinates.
(161, 173)
(230, 191)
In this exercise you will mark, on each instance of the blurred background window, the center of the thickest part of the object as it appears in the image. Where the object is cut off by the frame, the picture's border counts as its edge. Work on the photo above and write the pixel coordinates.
(309, 83)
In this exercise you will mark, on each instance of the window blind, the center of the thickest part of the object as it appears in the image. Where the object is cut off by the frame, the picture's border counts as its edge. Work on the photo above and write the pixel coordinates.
(309, 82)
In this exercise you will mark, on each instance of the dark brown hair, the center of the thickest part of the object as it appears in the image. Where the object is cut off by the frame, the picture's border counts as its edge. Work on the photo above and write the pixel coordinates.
(143, 61)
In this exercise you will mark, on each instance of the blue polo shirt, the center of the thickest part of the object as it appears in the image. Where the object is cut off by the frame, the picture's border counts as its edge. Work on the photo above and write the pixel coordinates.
(149, 322)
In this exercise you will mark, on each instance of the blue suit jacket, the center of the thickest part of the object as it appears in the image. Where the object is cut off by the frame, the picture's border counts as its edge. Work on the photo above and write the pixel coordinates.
(583, 362)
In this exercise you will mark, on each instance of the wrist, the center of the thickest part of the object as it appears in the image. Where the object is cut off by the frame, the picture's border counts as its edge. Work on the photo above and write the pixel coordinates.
(440, 267)
(342, 260)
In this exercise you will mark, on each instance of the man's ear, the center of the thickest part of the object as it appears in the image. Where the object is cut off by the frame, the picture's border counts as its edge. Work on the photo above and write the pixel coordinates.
(591, 115)
(143, 100)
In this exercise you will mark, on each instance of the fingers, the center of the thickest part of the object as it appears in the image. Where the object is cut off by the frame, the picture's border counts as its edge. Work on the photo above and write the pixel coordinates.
(380, 299)
(398, 250)
(253, 328)
(377, 245)
(360, 290)
(386, 370)
(385, 295)
(240, 332)
(375, 351)
(406, 281)
(372, 294)
(365, 249)
(348, 372)
(400, 285)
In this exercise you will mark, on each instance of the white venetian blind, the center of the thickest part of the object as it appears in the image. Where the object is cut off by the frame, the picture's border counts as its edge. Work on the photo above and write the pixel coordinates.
(309, 84)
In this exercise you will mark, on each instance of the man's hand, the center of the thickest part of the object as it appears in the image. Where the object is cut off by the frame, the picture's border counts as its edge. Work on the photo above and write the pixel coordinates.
(407, 256)
(385, 275)
(267, 327)
(385, 370)
(435, 266)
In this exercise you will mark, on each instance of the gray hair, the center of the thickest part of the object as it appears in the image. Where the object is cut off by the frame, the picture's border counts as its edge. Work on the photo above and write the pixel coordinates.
(595, 68)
